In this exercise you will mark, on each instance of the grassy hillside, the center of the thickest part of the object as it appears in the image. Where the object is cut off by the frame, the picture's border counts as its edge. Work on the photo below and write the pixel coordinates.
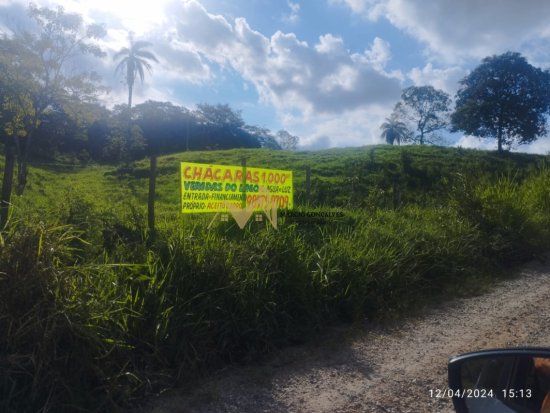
(91, 315)
(340, 177)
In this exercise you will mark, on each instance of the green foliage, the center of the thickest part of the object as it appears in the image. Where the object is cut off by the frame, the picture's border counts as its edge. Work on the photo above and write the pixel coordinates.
(124, 146)
(394, 130)
(132, 62)
(287, 140)
(513, 215)
(92, 317)
(41, 83)
(427, 108)
(56, 321)
(503, 98)
(390, 259)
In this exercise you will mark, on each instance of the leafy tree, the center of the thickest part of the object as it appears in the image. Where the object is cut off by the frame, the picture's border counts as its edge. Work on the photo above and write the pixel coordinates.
(38, 68)
(224, 128)
(287, 141)
(16, 109)
(124, 146)
(221, 115)
(65, 134)
(167, 128)
(503, 98)
(394, 130)
(163, 125)
(133, 60)
(263, 136)
(427, 108)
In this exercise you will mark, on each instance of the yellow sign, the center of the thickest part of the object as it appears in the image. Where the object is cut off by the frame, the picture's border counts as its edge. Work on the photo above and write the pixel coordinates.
(220, 188)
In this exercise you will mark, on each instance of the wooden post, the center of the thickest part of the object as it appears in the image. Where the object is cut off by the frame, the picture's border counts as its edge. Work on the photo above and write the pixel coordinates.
(7, 182)
(308, 184)
(151, 197)
(243, 181)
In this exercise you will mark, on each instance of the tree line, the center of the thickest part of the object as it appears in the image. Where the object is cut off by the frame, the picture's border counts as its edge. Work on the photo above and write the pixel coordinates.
(504, 98)
(156, 128)
(50, 106)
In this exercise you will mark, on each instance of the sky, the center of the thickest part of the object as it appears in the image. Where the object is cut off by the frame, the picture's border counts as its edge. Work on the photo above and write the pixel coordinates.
(329, 71)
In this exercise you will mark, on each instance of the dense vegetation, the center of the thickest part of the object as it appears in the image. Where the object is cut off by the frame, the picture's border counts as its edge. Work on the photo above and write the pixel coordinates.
(96, 313)
(504, 98)
(92, 317)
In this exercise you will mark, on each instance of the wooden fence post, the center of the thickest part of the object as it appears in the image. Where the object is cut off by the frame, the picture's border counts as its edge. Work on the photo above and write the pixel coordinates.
(243, 181)
(151, 197)
(308, 184)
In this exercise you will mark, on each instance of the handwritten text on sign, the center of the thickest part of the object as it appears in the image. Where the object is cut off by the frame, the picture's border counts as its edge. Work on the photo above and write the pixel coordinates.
(210, 188)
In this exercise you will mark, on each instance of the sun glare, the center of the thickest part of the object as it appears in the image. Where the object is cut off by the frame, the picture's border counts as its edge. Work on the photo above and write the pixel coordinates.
(136, 16)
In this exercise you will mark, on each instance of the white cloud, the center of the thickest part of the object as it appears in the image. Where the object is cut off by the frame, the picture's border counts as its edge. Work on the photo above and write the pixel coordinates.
(294, 15)
(208, 33)
(329, 44)
(540, 146)
(455, 30)
(472, 142)
(361, 7)
(444, 79)
(180, 62)
(379, 54)
(318, 90)
(316, 143)
(137, 16)
(354, 128)
(288, 72)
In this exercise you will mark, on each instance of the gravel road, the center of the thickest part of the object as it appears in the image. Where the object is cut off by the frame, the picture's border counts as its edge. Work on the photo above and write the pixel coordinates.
(379, 369)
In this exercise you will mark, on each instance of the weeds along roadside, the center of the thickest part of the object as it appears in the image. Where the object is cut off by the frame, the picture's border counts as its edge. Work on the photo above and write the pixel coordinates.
(83, 327)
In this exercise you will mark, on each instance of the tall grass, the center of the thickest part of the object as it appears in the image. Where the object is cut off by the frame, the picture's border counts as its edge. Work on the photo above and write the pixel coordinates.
(92, 318)
(514, 217)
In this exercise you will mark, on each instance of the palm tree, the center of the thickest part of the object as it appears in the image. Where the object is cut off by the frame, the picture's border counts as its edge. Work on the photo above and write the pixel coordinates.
(134, 60)
(394, 130)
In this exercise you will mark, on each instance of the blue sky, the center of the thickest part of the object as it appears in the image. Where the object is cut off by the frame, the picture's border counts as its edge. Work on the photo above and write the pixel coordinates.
(328, 71)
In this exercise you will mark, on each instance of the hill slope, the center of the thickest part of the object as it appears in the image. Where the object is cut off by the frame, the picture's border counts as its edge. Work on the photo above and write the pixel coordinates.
(339, 177)
(89, 303)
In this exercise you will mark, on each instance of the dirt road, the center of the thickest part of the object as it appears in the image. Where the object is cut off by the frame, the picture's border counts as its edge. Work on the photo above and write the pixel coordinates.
(375, 369)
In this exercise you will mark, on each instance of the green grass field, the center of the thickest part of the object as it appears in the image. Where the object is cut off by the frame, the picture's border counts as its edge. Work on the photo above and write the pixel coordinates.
(94, 316)
(340, 177)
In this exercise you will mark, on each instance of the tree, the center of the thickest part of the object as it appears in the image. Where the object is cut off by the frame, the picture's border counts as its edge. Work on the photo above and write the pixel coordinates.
(287, 141)
(40, 68)
(123, 146)
(221, 115)
(427, 108)
(503, 98)
(224, 128)
(163, 125)
(393, 130)
(133, 61)
(16, 109)
(263, 136)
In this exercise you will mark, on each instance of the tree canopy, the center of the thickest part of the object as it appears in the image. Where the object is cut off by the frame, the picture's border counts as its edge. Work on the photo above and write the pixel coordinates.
(45, 59)
(427, 108)
(39, 81)
(287, 140)
(394, 130)
(504, 98)
(133, 61)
